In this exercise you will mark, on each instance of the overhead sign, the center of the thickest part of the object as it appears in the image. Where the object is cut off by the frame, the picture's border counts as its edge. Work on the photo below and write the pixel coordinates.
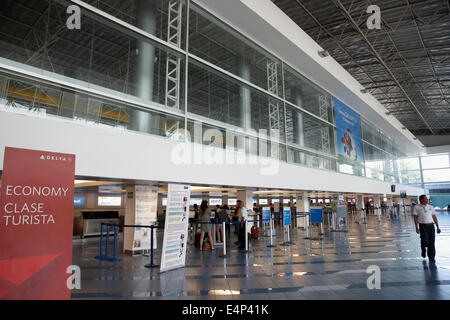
(176, 227)
(348, 131)
(78, 201)
(36, 224)
(316, 214)
(286, 217)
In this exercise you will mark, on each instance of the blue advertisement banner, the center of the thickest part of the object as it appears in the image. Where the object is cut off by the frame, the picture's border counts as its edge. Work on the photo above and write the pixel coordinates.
(266, 213)
(78, 201)
(287, 217)
(348, 131)
(316, 214)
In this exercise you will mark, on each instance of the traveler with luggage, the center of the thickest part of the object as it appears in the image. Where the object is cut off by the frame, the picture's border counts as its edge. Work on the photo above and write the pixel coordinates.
(205, 227)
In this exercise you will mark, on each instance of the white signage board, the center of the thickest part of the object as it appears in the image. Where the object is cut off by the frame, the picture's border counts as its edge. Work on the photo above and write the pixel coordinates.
(146, 202)
(176, 227)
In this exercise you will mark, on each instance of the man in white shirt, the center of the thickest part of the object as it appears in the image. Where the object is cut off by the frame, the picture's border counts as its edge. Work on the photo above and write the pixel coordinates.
(424, 219)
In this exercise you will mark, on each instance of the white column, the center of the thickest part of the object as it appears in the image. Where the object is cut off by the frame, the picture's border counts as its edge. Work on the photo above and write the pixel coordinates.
(302, 206)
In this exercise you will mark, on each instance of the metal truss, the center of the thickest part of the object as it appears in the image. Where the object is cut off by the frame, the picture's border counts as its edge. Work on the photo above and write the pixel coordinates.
(405, 64)
(173, 64)
(272, 87)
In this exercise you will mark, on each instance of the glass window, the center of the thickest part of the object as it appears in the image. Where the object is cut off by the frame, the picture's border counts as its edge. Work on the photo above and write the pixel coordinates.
(213, 41)
(435, 161)
(108, 58)
(307, 95)
(408, 164)
(218, 98)
(307, 131)
(437, 175)
(151, 16)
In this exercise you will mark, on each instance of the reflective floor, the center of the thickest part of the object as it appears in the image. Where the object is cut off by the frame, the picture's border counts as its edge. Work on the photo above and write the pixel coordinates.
(334, 267)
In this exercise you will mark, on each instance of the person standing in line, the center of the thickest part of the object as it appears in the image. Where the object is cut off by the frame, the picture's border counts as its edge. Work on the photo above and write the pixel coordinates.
(424, 219)
(222, 216)
(205, 216)
(242, 216)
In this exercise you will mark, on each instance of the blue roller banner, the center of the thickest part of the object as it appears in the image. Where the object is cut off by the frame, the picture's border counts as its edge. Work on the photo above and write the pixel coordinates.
(287, 217)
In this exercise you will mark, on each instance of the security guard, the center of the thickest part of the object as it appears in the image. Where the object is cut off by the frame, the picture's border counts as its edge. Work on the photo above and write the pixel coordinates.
(424, 219)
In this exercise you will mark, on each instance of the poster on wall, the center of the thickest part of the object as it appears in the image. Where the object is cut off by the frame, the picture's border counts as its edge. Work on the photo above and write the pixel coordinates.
(36, 224)
(348, 131)
(146, 201)
(176, 227)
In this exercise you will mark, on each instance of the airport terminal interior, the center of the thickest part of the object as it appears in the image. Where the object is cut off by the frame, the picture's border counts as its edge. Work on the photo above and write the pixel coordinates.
(225, 149)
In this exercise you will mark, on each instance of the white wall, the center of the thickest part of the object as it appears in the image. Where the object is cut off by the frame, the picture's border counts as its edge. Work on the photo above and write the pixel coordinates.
(111, 153)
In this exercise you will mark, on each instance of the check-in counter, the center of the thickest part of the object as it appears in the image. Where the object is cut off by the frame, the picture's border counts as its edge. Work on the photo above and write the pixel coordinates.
(92, 221)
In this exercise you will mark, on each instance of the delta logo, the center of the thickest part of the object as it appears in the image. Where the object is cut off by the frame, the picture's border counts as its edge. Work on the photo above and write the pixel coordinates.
(55, 158)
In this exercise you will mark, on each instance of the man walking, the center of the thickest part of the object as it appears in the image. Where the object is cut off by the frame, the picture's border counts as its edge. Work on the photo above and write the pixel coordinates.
(424, 216)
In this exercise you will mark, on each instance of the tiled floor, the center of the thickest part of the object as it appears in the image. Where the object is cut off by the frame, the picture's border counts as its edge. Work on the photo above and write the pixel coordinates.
(331, 268)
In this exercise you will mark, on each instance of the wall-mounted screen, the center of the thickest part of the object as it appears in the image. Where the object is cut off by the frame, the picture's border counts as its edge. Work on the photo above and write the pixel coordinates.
(232, 202)
(286, 200)
(215, 201)
(263, 201)
(197, 201)
(109, 201)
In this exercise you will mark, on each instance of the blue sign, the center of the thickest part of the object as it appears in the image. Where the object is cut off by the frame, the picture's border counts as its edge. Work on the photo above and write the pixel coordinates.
(287, 217)
(316, 214)
(78, 201)
(266, 213)
(348, 131)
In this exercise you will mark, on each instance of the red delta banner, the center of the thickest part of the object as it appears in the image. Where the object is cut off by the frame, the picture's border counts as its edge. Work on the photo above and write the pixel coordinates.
(36, 224)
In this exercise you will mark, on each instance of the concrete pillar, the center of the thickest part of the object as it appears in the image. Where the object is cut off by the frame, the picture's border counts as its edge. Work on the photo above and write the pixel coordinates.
(302, 206)
(245, 94)
(360, 202)
(147, 17)
(299, 125)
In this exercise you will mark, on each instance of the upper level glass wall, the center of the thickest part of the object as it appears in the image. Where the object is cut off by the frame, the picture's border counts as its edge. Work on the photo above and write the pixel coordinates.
(303, 93)
(105, 57)
(151, 16)
(217, 97)
(215, 42)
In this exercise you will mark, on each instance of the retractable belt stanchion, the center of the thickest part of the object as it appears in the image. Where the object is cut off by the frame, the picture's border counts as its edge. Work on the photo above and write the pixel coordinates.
(114, 258)
(100, 255)
(151, 265)
(246, 236)
(224, 240)
(107, 241)
(271, 245)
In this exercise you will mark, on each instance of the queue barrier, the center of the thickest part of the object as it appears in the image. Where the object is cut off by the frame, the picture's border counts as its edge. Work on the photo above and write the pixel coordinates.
(105, 256)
